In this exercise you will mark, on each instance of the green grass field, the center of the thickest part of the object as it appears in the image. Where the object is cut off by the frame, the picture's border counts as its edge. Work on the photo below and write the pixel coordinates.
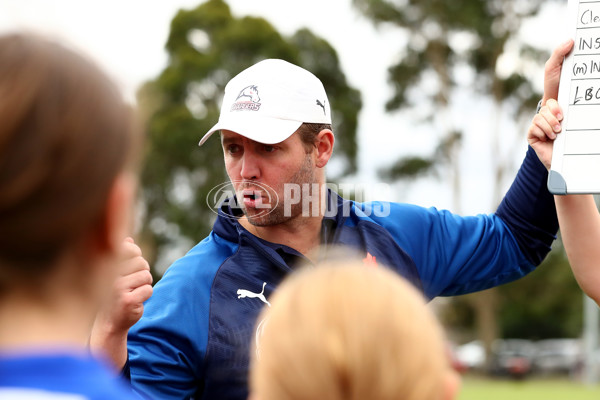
(483, 389)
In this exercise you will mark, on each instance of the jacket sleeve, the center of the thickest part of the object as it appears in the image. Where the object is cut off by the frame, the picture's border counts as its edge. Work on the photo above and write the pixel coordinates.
(163, 359)
(456, 255)
(529, 211)
(167, 346)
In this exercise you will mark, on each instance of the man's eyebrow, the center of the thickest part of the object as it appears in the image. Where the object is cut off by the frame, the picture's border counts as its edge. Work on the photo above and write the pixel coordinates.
(227, 140)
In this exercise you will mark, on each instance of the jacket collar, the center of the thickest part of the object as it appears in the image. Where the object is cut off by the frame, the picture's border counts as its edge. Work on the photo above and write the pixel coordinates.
(228, 226)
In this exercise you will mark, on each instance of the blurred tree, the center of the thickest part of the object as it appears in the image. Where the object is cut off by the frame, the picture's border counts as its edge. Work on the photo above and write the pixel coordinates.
(444, 36)
(207, 46)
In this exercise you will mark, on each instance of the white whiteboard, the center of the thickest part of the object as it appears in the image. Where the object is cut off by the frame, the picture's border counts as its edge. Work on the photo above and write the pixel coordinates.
(576, 157)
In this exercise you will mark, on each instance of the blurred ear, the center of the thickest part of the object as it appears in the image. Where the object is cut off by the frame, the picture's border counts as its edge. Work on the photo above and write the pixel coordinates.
(117, 219)
(324, 145)
(452, 385)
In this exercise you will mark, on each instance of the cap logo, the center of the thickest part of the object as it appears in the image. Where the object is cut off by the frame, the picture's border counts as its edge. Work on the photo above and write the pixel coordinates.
(248, 99)
(322, 106)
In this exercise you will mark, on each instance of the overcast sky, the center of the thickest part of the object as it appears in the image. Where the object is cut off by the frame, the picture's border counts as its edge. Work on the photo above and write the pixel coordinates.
(126, 37)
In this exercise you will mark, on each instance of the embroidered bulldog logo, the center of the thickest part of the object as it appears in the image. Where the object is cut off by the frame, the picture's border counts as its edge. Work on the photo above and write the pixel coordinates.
(248, 99)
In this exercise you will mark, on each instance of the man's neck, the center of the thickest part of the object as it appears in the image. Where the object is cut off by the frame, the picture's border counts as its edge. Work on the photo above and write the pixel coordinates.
(303, 234)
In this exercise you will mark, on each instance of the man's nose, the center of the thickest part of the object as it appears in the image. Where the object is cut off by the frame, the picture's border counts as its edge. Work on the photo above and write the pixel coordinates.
(250, 166)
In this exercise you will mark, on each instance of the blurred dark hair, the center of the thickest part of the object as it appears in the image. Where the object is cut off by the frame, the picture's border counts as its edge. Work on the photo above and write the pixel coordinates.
(65, 134)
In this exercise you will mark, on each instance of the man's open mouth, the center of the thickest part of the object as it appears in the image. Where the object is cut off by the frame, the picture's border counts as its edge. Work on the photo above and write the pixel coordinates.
(251, 194)
(255, 199)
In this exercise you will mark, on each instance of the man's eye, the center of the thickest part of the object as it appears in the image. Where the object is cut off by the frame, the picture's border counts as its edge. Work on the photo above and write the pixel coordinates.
(233, 148)
(269, 149)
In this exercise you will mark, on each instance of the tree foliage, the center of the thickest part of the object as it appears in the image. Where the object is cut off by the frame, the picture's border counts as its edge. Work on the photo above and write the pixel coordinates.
(442, 37)
(206, 47)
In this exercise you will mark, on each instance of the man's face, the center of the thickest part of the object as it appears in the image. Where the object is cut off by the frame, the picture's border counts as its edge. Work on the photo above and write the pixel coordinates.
(255, 168)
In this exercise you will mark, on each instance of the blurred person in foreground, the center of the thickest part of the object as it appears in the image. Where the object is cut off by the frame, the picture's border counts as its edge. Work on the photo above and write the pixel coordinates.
(343, 331)
(67, 146)
(578, 215)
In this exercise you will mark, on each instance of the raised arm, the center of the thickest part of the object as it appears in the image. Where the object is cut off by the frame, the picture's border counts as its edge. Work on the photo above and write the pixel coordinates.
(577, 214)
(528, 208)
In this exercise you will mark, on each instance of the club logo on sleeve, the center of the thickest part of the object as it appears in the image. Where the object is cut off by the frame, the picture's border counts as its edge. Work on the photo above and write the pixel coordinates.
(248, 99)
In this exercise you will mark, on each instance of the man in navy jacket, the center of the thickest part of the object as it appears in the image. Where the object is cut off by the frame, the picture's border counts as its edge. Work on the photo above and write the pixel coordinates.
(275, 126)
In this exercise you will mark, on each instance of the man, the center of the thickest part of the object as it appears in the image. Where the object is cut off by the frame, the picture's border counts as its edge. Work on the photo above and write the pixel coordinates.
(194, 338)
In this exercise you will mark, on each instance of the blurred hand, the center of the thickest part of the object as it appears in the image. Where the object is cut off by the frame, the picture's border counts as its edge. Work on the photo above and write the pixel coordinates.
(125, 307)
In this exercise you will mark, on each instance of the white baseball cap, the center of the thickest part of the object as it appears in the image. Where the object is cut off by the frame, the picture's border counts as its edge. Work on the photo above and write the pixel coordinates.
(268, 102)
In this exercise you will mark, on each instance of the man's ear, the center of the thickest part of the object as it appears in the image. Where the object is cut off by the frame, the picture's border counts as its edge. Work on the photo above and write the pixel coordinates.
(117, 219)
(324, 145)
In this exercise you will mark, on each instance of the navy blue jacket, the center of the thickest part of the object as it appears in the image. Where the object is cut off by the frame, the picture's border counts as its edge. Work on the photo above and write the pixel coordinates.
(195, 337)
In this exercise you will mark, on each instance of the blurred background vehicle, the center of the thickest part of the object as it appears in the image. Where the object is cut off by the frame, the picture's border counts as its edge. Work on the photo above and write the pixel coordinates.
(517, 358)
(513, 357)
(558, 356)
(471, 355)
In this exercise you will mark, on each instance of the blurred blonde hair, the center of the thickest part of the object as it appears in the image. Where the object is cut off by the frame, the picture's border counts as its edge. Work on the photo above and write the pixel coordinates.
(346, 331)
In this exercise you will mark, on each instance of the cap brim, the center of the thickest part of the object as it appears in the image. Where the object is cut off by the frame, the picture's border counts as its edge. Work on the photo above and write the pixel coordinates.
(262, 129)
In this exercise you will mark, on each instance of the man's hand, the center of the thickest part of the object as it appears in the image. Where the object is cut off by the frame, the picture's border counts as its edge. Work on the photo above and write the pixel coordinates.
(543, 130)
(546, 124)
(126, 306)
(552, 70)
